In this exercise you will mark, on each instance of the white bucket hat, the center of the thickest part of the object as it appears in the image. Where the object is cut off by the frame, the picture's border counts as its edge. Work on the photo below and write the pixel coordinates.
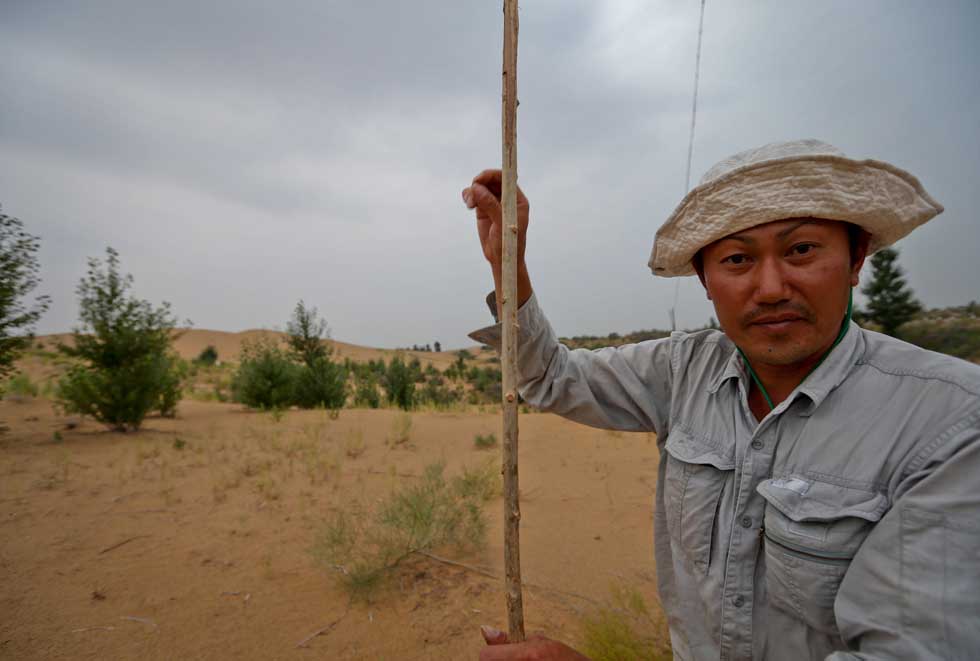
(799, 179)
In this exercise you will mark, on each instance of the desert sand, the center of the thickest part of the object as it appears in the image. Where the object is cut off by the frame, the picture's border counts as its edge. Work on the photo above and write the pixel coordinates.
(191, 538)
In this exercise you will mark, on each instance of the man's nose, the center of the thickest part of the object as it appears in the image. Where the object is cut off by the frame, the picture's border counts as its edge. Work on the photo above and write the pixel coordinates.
(771, 285)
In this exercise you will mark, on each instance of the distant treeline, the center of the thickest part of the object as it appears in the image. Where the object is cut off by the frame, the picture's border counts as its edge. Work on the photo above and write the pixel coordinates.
(615, 339)
(953, 330)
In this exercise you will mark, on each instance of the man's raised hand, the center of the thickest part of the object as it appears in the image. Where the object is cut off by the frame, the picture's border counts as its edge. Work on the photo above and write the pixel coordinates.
(483, 195)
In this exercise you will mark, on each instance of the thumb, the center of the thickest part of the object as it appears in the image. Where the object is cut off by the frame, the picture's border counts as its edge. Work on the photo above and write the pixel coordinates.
(494, 636)
(486, 203)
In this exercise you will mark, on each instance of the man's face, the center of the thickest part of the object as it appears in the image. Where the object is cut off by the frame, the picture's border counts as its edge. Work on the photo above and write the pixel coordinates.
(780, 290)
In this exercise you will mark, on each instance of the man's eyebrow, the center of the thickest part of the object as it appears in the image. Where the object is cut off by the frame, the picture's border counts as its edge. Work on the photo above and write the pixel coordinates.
(789, 230)
(782, 234)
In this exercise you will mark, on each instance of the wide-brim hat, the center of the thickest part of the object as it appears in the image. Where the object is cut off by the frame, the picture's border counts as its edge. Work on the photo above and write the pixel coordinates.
(799, 179)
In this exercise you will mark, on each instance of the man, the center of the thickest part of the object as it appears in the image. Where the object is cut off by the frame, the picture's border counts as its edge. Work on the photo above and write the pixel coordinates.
(819, 484)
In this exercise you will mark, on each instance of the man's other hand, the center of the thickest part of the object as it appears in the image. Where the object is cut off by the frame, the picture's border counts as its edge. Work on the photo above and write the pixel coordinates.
(535, 648)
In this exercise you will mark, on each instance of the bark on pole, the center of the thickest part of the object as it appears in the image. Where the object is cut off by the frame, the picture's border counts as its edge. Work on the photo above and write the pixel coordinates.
(512, 508)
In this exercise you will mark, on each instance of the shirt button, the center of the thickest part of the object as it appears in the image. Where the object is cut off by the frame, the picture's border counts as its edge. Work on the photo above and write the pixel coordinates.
(756, 444)
(739, 601)
(746, 522)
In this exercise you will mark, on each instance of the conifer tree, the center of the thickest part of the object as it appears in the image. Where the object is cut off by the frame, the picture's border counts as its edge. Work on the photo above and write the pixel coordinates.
(891, 302)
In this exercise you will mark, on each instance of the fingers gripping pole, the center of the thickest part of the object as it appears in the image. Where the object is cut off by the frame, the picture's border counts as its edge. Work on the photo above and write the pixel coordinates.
(512, 509)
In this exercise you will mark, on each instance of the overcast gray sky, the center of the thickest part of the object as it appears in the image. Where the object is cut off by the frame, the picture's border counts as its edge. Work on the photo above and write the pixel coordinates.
(243, 155)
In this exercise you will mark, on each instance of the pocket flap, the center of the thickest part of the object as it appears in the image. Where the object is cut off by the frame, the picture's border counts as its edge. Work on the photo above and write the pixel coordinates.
(699, 449)
(804, 499)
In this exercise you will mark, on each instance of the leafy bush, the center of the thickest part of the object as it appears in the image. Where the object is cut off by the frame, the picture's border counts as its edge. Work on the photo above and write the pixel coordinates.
(364, 546)
(18, 276)
(21, 385)
(208, 356)
(124, 365)
(958, 337)
(266, 378)
(322, 384)
(366, 393)
(399, 383)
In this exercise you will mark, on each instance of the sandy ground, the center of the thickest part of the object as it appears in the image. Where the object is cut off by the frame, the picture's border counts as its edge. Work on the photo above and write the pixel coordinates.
(121, 546)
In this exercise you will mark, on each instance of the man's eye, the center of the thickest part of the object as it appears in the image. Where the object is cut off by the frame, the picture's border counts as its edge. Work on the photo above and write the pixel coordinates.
(802, 248)
(736, 260)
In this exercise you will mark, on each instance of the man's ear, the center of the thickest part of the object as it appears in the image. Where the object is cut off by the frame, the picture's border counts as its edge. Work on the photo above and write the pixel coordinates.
(860, 253)
(698, 265)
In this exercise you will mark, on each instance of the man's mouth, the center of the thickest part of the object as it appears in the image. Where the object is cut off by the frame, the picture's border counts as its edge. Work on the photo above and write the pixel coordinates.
(777, 322)
(778, 318)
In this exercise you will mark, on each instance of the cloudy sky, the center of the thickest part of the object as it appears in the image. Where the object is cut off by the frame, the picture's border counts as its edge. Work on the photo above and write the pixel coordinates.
(243, 155)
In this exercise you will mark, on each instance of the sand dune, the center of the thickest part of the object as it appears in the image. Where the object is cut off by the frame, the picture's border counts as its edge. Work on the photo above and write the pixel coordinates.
(191, 342)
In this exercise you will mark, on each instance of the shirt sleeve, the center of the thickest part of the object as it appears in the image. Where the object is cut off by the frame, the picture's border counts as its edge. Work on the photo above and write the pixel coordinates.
(625, 387)
(913, 589)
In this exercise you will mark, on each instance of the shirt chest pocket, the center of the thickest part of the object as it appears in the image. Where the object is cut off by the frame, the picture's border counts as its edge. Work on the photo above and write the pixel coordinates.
(697, 473)
(812, 530)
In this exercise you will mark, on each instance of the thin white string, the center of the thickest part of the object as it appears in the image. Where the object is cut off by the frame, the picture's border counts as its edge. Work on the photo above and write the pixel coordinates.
(690, 147)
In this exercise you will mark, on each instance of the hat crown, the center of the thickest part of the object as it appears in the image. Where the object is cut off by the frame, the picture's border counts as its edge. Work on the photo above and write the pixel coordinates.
(772, 151)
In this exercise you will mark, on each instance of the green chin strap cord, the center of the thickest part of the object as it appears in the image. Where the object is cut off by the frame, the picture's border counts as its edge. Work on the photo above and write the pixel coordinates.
(840, 336)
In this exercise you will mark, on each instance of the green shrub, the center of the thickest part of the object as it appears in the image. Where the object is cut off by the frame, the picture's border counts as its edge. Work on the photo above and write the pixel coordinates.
(322, 384)
(266, 378)
(364, 546)
(399, 384)
(624, 631)
(18, 277)
(207, 357)
(483, 483)
(366, 393)
(124, 364)
(21, 385)
(485, 442)
(958, 337)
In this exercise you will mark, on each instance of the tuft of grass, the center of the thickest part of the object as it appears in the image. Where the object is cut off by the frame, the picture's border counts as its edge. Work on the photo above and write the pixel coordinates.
(624, 631)
(485, 442)
(354, 443)
(401, 429)
(483, 483)
(21, 387)
(179, 443)
(365, 545)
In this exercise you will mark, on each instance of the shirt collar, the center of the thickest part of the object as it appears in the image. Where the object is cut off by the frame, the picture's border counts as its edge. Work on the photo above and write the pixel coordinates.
(821, 382)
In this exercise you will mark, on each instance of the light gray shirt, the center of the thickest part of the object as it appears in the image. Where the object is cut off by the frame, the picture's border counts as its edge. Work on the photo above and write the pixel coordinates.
(844, 525)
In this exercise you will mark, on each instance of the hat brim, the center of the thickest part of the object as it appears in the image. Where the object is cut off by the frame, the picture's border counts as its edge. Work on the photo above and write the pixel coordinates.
(886, 201)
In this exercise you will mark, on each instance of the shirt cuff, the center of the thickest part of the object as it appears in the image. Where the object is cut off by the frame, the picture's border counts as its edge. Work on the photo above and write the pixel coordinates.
(527, 322)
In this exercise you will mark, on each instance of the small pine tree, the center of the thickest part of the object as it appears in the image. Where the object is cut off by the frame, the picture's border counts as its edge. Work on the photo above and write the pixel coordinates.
(18, 277)
(891, 302)
(306, 331)
(320, 382)
(126, 366)
(399, 384)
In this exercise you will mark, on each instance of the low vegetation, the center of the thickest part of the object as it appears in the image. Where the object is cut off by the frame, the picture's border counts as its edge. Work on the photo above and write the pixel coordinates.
(123, 365)
(624, 630)
(363, 545)
(485, 441)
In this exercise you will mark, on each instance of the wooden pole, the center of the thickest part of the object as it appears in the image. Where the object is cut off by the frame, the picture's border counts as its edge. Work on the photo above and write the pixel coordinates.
(508, 194)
